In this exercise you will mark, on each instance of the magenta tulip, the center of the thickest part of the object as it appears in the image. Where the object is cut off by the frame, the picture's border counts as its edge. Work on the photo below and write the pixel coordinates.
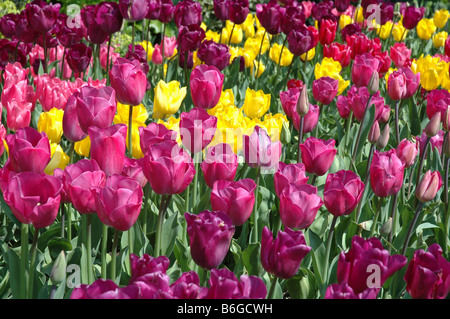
(206, 84)
(220, 163)
(289, 173)
(210, 235)
(259, 150)
(400, 54)
(154, 133)
(221, 9)
(317, 155)
(325, 89)
(386, 173)
(310, 120)
(397, 86)
(215, 54)
(197, 129)
(437, 101)
(132, 169)
(270, 15)
(283, 255)
(129, 81)
(71, 125)
(140, 266)
(133, 10)
(363, 67)
(407, 152)
(344, 291)
(187, 12)
(105, 289)
(238, 11)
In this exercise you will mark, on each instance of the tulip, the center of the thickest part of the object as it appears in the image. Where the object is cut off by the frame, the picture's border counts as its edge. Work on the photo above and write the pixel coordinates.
(343, 106)
(428, 186)
(18, 114)
(317, 155)
(363, 258)
(28, 150)
(80, 180)
(439, 39)
(166, 13)
(283, 255)
(300, 41)
(59, 159)
(189, 38)
(270, 16)
(289, 174)
(95, 107)
(428, 274)
(344, 291)
(108, 147)
(363, 68)
(132, 169)
(338, 52)
(327, 31)
(154, 133)
(221, 9)
(187, 12)
(41, 15)
(51, 92)
(400, 54)
(342, 192)
(138, 56)
(358, 100)
(436, 141)
(108, 16)
(396, 87)
(425, 29)
(119, 202)
(289, 101)
(206, 84)
(8, 25)
(325, 89)
(440, 18)
(437, 102)
(210, 235)
(141, 266)
(256, 103)
(299, 205)
(236, 199)
(168, 168)
(70, 123)
(412, 81)
(104, 289)
(220, 163)
(51, 123)
(238, 11)
(407, 152)
(386, 173)
(133, 10)
(197, 129)
(129, 81)
(168, 98)
(412, 16)
(215, 54)
(260, 151)
(293, 19)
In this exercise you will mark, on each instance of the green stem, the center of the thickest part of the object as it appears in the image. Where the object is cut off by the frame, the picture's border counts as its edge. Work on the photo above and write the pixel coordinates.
(446, 222)
(62, 64)
(107, 60)
(130, 131)
(32, 264)
(259, 59)
(358, 138)
(162, 52)
(161, 217)
(375, 218)
(23, 260)
(273, 284)
(231, 34)
(104, 247)
(327, 252)
(419, 169)
(255, 234)
(114, 254)
(411, 227)
(69, 223)
(300, 139)
(394, 217)
(89, 247)
(148, 191)
(195, 185)
(366, 181)
(132, 35)
(63, 216)
(45, 53)
(397, 127)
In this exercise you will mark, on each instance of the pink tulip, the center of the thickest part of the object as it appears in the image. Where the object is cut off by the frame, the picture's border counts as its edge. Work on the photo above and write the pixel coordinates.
(400, 54)
(287, 174)
(363, 67)
(108, 147)
(343, 106)
(132, 169)
(51, 92)
(299, 205)
(428, 186)
(260, 151)
(386, 173)
(105, 289)
(154, 133)
(437, 101)
(34, 198)
(325, 89)
(220, 163)
(206, 84)
(119, 202)
(357, 100)
(18, 114)
(412, 81)
(71, 125)
(141, 266)
(289, 100)
(407, 152)
(397, 86)
(236, 199)
(197, 129)
(436, 141)
(317, 155)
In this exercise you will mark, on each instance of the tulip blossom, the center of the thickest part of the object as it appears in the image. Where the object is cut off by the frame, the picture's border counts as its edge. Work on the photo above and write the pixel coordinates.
(154, 133)
(215, 54)
(287, 174)
(41, 15)
(206, 84)
(79, 57)
(397, 85)
(407, 151)
(344, 291)
(317, 155)
(129, 81)
(428, 186)
(283, 255)
(105, 289)
(300, 41)
(386, 173)
(238, 11)
(220, 163)
(108, 16)
(363, 68)
(197, 129)
(412, 16)
(168, 98)
(325, 89)
(327, 31)
(270, 16)
(210, 234)
(133, 10)
(400, 54)
(437, 101)
(141, 266)
(259, 150)
(187, 12)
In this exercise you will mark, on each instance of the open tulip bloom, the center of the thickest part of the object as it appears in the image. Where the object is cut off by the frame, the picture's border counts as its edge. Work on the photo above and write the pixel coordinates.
(274, 149)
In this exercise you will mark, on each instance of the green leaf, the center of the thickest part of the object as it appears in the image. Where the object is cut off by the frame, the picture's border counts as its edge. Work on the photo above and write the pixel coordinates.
(251, 257)
(13, 264)
(57, 244)
(302, 285)
(169, 233)
(368, 122)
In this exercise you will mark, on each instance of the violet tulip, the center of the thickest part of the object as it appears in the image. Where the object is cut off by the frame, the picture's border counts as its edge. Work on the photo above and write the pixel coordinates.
(365, 257)
(238, 11)
(29, 150)
(221, 9)
(41, 15)
(344, 291)
(197, 129)
(119, 202)
(108, 16)
(428, 186)
(325, 89)
(342, 192)
(283, 255)
(428, 274)
(133, 10)
(270, 15)
(206, 84)
(166, 13)
(412, 16)
(363, 68)
(289, 173)
(189, 39)
(259, 150)
(108, 147)
(34, 198)
(129, 81)
(96, 107)
(386, 173)
(318, 155)
(215, 54)
(236, 199)
(168, 168)
(210, 234)
(299, 205)
(300, 41)
(187, 12)
(220, 163)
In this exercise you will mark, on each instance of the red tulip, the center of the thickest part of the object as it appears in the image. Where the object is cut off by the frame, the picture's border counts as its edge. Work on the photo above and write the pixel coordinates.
(327, 31)
(338, 52)
(51, 92)
(317, 155)
(386, 173)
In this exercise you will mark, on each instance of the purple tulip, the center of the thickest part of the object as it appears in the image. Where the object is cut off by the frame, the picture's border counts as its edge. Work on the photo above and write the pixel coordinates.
(220, 163)
(41, 15)
(94, 33)
(132, 169)
(189, 38)
(187, 286)
(293, 19)
(325, 89)
(363, 68)
(238, 11)
(78, 57)
(104, 289)
(187, 12)
(140, 266)
(166, 13)
(8, 25)
(270, 15)
(67, 36)
(300, 41)
(206, 84)
(344, 291)
(133, 10)
(215, 54)
(412, 16)
(108, 17)
(221, 9)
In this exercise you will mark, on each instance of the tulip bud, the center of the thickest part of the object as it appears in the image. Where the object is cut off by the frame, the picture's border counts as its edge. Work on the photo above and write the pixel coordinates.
(384, 137)
(433, 125)
(303, 102)
(446, 120)
(58, 272)
(373, 85)
(374, 133)
(285, 135)
(387, 227)
(446, 147)
(428, 186)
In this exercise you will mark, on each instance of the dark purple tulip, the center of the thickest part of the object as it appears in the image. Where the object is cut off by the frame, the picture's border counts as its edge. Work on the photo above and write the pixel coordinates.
(7, 52)
(213, 53)
(139, 54)
(78, 57)
(322, 9)
(167, 9)
(8, 25)
(154, 9)
(187, 12)
(349, 29)
(221, 9)
(412, 17)
(341, 5)
(133, 10)
(41, 15)
(293, 19)
(94, 33)
(189, 38)
(238, 11)
(190, 60)
(386, 12)
(67, 36)
(300, 41)
(24, 32)
(108, 17)
(270, 15)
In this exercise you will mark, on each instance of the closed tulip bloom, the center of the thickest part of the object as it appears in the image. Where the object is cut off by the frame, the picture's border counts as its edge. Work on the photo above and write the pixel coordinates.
(154, 133)
(363, 68)
(428, 186)
(166, 13)
(386, 173)
(412, 16)
(18, 114)
(129, 81)
(95, 107)
(187, 12)
(344, 291)
(119, 202)
(283, 255)
(210, 234)
(428, 274)
(400, 54)
(289, 100)
(213, 53)
(220, 163)
(236, 199)
(80, 181)
(8, 25)
(437, 101)
(206, 84)
(51, 92)
(425, 29)
(78, 57)
(238, 11)
(270, 15)
(259, 150)
(108, 147)
(317, 155)
(221, 9)
(132, 169)
(293, 19)
(256, 103)
(108, 16)
(197, 129)
(168, 168)
(440, 18)
(189, 38)
(28, 150)
(133, 10)
(299, 205)
(168, 98)
(407, 151)
(300, 41)
(412, 81)
(70, 123)
(439, 39)
(310, 120)
(325, 89)
(51, 123)
(359, 262)
(396, 87)
(289, 173)
(34, 198)
(327, 31)
(338, 52)
(41, 15)
(342, 192)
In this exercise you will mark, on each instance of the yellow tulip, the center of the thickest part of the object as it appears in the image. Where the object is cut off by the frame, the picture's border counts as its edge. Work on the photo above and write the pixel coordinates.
(51, 123)
(136, 139)
(148, 47)
(399, 32)
(168, 99)
(331, 68)
(212, 35)
(385, 30)
(233, 30)
(195, 59)
(139, 115)
(446, 77)
(286, 56)
(173, 124)
(59, 159)
(248, 26)
(425, 29)
(259, 67)
(83, 147)
(274, 124)
(360, 15)
(440, 18)
(439, 39)
(344, 20)
(203, 26)
(234, 53)
(249, 56)
(256, 103)
(226, 100)
(431, 71)
(308, 56)
(258, 39)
